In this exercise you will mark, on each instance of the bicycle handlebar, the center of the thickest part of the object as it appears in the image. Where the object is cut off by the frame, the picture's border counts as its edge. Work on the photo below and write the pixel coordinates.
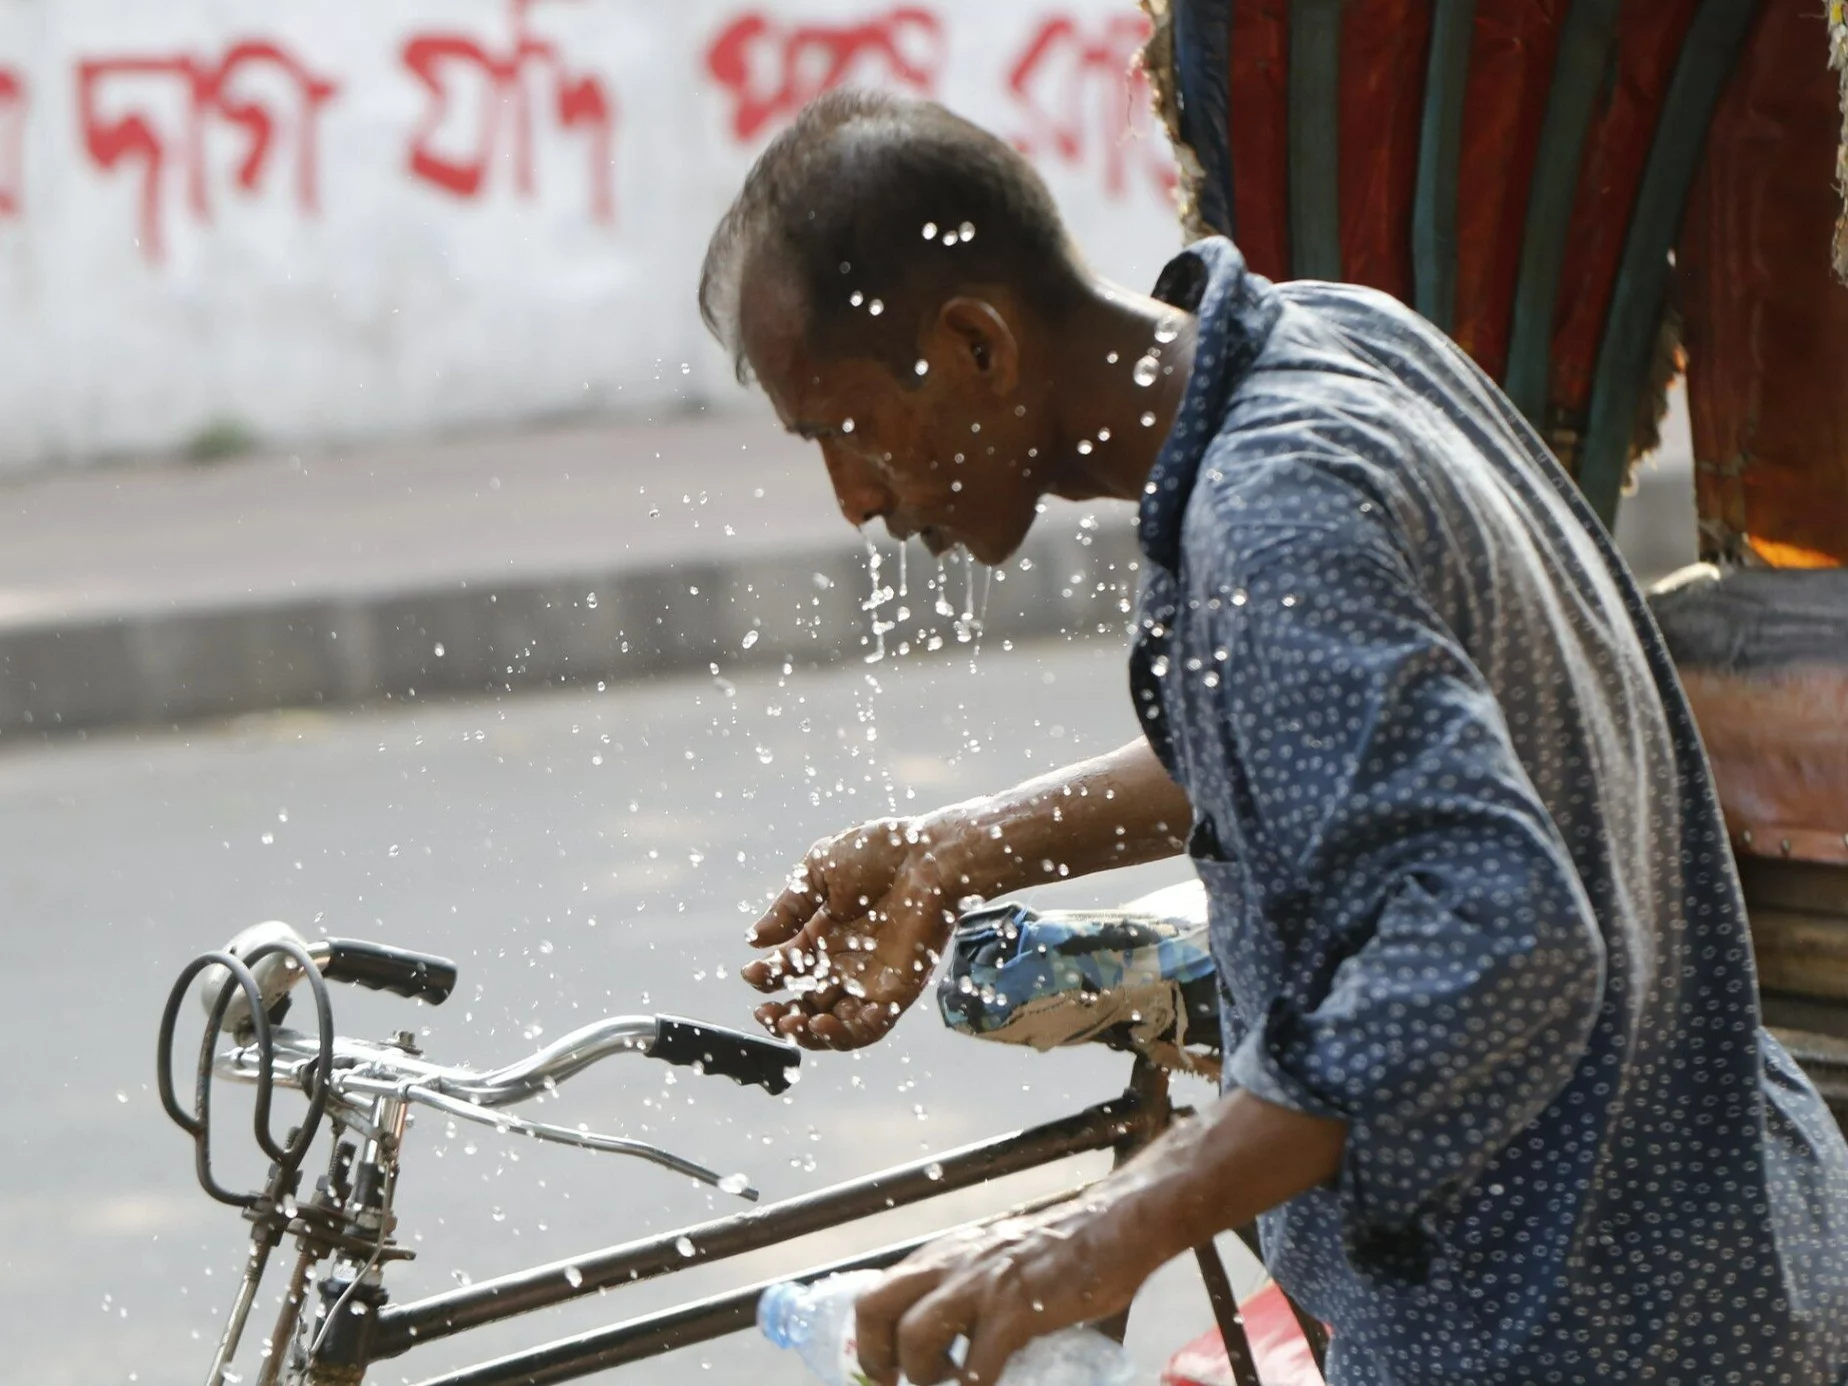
(745, 1059)
(246, 989)
(384, 968)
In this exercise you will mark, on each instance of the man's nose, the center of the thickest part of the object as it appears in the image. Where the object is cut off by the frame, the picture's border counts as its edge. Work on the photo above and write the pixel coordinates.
(857, 487)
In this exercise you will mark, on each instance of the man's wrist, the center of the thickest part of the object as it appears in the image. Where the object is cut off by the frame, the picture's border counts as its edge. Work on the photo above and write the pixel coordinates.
(970, 853)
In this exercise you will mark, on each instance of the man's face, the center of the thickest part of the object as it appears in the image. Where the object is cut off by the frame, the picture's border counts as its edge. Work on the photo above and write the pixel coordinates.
(954, 456)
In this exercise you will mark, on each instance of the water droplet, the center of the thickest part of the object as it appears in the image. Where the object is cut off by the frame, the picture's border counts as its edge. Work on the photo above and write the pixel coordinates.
(966, 231)
(765, 755)
(930, 230)
(439, 651)
(685, 1247)
(934, 1171)
(1167, 329)
(1239, 597)
(949, 238)
(1148, 420)
(922, 367)
(121, 1096)
(686, 368)
(1289, 600)
(734, 1184)
(267, 839)
(461, 1277)
(393, 850)
(1084, 445)
(499, 1215)
(1103, 435)
(545, 945)
(1110, 358)
(750, 639)
(846, 425)
(1145, 371)
(875, 307)
(573, 1276)
(856, 298)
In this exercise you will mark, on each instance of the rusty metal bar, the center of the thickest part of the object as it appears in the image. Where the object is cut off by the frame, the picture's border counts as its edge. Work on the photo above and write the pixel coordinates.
(698, 1322)
(1110, 1124)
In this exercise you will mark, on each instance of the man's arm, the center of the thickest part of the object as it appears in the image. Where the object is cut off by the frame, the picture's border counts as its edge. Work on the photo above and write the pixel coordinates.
(866, 915)
(1085, 1260)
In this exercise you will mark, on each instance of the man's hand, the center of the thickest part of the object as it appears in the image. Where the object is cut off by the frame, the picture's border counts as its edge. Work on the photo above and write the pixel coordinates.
(1084, 1260)
(867, 914)
(857, 934)
(999, 1288)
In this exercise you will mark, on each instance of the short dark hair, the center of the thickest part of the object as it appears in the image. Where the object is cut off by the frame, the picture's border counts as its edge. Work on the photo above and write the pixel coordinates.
(880, 208)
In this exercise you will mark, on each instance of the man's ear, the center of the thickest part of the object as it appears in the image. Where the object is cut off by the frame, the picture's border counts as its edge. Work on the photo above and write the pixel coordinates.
(979, 342)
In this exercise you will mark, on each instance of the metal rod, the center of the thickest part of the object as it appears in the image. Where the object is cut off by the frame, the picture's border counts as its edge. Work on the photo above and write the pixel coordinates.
(1314, 139)
(1580, 71)
(288, 1318)
(240, 1307)
(1225, 1314)
(404, 1326)
(698, 1322)
(1708, 55)
(1148, 1084)
(1440, 145)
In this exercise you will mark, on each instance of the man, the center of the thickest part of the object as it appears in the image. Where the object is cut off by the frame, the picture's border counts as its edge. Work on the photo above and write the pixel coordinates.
(1494, 1070)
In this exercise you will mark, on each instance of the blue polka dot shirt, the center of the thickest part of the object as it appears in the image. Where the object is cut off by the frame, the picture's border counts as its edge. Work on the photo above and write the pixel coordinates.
(1470, 890)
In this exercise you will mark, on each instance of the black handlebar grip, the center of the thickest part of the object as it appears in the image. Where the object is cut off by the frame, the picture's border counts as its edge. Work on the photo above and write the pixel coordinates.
(384, 968)
(742, 1058)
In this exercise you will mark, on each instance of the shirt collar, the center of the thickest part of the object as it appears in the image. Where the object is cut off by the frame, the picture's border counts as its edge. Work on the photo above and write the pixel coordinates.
(1235, 311)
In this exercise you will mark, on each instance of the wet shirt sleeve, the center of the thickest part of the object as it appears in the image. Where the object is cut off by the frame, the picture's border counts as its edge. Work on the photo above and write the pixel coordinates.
(1430, 967)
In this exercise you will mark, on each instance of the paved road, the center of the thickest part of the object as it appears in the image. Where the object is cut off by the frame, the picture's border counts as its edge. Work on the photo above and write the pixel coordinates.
(579, 854)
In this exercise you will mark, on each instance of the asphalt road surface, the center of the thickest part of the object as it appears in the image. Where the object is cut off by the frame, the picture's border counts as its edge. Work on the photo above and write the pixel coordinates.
(579, 854)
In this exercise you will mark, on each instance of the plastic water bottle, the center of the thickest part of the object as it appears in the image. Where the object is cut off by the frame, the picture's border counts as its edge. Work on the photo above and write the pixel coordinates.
(817, 1321)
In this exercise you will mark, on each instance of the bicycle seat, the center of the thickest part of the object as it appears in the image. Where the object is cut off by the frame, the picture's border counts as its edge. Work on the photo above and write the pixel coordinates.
(1138, 978)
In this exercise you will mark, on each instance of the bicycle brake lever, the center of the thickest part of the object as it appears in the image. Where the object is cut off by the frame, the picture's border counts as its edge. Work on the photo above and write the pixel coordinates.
(588, 1140)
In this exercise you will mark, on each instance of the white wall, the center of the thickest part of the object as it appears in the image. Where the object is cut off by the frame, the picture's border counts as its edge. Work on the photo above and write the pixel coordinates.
(146, 291)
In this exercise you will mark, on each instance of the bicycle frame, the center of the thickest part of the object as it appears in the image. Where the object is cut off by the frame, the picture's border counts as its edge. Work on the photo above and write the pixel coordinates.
(364, 1092)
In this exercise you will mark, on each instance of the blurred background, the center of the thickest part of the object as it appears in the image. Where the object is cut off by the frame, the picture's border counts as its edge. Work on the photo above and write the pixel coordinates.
(385, 548)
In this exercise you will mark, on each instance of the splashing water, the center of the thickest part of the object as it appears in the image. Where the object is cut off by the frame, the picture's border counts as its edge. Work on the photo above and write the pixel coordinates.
(974, 617)
(881, 594)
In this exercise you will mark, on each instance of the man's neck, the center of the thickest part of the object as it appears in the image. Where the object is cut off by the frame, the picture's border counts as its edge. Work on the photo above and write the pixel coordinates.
(1119, 374)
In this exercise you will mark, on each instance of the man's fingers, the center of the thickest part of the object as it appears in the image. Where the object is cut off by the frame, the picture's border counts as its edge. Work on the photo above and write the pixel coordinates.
(993, 1340)
(930, 1327)
(785, 919)
(877, 1314)
(852, 1023)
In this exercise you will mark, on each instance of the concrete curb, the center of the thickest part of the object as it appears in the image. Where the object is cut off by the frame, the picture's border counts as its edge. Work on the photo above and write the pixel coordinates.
(494, 637)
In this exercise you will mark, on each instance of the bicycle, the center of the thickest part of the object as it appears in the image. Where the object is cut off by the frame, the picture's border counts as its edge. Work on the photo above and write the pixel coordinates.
(363, 1092)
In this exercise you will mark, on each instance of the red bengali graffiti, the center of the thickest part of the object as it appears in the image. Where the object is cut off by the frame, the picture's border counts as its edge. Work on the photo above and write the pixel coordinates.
(212, 90)
(580, 102)
(12, 142)
(1086, 100)
(772, 70)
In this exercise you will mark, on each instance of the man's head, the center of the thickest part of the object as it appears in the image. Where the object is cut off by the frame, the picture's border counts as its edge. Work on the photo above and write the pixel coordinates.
(897, 279)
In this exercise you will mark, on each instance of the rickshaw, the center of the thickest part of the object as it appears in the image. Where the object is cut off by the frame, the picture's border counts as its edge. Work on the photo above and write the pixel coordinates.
(1592, 199)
